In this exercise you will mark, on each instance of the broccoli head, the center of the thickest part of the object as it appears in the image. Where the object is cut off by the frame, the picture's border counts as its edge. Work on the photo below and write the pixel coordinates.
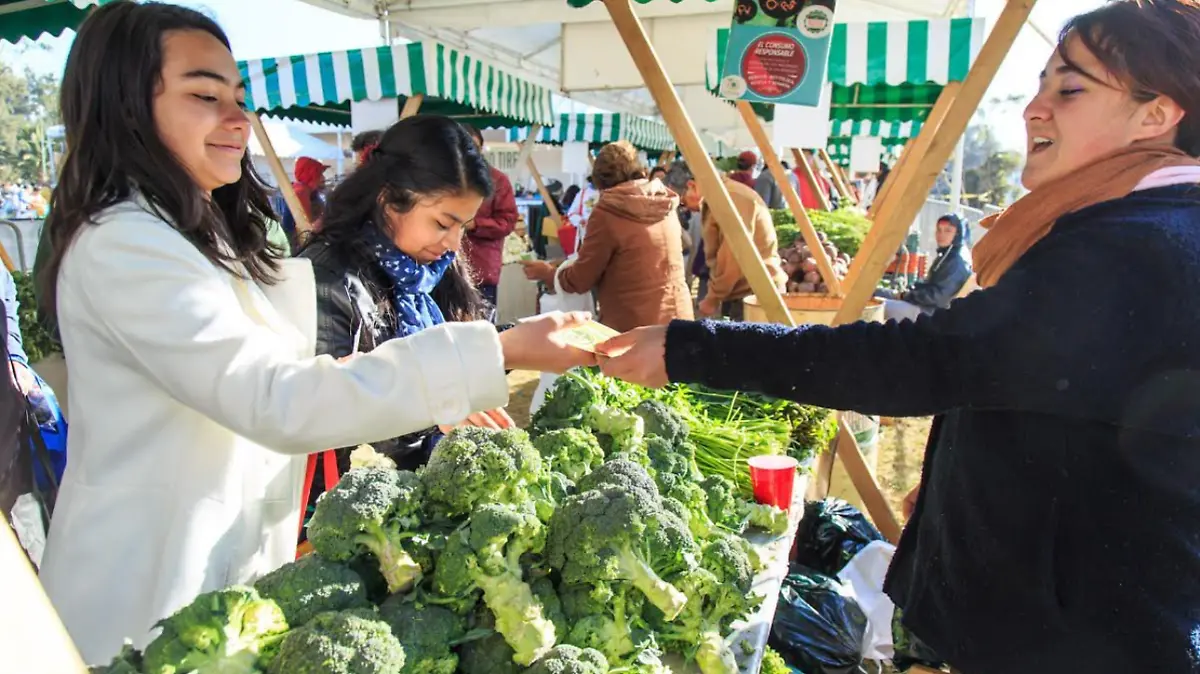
(489, 655)
(698, 632)
(478, 465)
(486, 555)
(573, 452)
(773, 663)
(622, 474)
(426, 632)
(695, 503)
(725, 557)
(766, 517)
(618, 431)
(371, 510)
(312, 585)
(355, 641)
(724, 506)
(662, 421)
(549, 491)
(604, 617)
(567, 659)
(566, 404)
(614, 534)
(227, 631)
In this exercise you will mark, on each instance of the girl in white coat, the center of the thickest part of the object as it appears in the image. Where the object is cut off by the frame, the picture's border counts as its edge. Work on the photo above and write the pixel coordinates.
(194, 393)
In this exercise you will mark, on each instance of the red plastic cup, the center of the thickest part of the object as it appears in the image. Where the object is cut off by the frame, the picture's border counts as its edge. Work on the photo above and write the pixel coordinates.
(773, 478)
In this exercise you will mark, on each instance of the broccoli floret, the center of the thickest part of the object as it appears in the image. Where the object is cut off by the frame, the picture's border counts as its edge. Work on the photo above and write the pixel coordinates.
(341, 642)
(618, 431)
(698, 632)
(725, 557)
(486, 555)
(478, 465)
(695, 503)
(604, 617)
(671, 464)
(426, 632)
(773, 663)
(371, 510)
(724, 507)
(490, 655)
(622, 474)
(566, 404)
(226, 631)
(766, 517)
(662, 421)
(573, 452)
(312, 585)
(128, 661)
(567, 659)
(613, 534)
(549, 491)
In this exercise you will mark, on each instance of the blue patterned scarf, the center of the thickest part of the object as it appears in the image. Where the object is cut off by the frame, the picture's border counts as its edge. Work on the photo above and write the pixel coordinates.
(412, 283)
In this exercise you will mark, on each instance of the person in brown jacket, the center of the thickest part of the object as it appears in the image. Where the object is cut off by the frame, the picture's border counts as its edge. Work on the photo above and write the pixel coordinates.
(727, 285)
(633, 253)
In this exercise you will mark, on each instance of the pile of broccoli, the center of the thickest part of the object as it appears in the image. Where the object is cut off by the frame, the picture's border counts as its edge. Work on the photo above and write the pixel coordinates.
(595, 547)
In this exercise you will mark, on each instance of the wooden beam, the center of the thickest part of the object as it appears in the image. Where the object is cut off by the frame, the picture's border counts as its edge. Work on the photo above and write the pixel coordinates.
(32, 636)
(824, 265)
(412, 105)
(839, 180)
(551, 209)
(303, 226)
(716, 196)
(866, 485)
(902, 174)
(810, 176)
(8, 261)
(897, 214)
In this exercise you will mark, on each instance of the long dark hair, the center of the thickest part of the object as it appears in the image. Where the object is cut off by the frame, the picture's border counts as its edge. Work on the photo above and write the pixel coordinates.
(113, 151)
(420, 157)
(1151, 46)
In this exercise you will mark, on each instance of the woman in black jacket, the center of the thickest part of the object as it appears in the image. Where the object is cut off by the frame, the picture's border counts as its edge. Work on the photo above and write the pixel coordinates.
(1057, 525)
(950, 271)
(386, 262)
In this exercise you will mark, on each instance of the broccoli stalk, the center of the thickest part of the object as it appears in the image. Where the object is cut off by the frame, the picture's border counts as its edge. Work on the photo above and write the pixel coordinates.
(698, 632)
(371, 510)
(486, 555)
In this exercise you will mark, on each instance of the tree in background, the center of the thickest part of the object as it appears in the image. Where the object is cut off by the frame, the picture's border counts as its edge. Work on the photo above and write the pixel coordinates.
(991, 172)
(28, 107)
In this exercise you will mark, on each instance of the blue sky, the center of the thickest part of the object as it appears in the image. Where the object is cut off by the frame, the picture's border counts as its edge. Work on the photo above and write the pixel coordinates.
(261, 28)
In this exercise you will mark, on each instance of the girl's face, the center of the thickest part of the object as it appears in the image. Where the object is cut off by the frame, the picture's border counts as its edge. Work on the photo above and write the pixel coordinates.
(198, 108)
(434, 226)
(1085, 112)
(946, 232)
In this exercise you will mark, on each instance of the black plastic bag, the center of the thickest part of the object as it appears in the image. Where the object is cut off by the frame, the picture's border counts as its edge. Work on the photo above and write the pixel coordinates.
(819, 626)
(831, 534)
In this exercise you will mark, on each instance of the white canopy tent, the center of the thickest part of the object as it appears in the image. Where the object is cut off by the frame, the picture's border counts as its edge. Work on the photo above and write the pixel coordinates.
(578, 50)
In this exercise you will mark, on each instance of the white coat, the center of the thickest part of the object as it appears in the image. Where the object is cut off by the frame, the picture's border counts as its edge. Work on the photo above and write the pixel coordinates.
(194, 396)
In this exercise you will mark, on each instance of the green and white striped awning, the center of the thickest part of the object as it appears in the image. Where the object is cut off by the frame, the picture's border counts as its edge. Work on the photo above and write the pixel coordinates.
(875, 129)
(889, 71)
(602, 127)
(35, 18)
(320, 87)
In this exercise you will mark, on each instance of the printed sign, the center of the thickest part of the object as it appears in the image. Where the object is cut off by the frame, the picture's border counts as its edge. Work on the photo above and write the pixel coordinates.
(778, 51)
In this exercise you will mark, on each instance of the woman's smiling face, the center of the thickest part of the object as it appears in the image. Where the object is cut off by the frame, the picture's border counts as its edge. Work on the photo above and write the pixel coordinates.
(1083, 112)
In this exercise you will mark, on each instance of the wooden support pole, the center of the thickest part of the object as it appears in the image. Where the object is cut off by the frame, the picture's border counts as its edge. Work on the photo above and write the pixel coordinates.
(412, 105)
(303, 226)
(551, 209)
(897, 214)
(716, 196)
(824, 265)
(839, 179)
(810, 176)
(866, 485)
(8, 261)
(32, 636)
(902, 175)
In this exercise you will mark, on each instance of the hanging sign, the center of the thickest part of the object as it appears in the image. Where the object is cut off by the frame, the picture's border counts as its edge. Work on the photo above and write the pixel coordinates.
(778, 51)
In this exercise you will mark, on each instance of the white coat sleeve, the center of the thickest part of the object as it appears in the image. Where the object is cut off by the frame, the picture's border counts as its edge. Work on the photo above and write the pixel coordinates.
(180, 323)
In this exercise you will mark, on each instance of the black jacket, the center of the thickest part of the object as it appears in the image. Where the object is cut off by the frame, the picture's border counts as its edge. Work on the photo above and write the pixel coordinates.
(1058, 524)
(949, 273)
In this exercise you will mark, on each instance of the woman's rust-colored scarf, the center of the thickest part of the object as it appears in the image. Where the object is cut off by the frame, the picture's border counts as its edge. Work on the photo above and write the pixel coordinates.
(1031, 218)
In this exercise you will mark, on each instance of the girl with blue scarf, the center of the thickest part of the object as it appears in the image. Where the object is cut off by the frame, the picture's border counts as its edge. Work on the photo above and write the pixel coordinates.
(386, 258)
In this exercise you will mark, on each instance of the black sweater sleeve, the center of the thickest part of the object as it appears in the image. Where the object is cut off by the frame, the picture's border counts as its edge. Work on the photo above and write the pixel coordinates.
(1060, 333)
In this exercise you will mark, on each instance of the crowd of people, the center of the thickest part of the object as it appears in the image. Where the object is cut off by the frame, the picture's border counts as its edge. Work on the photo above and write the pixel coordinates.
(24, 202)
(1057, 522)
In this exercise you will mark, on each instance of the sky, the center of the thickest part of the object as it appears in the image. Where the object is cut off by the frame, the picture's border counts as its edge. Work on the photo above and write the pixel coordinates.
(308, 29)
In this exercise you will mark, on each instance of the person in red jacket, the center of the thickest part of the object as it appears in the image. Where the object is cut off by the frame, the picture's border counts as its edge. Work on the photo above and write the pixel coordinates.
(744, 174)
(496, 219)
